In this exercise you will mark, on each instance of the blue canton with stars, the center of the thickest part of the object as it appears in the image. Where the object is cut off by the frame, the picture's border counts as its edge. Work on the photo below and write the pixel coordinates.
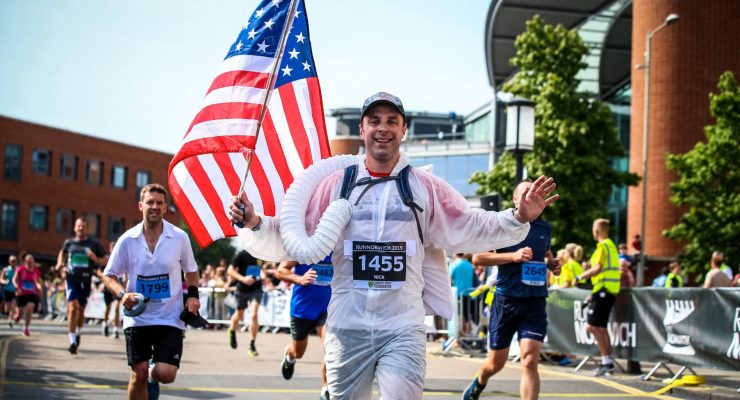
(261, 37)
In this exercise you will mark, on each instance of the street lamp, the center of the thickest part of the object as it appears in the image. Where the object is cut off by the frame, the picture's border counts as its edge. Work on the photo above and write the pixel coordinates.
(670, 19)
(519, 131)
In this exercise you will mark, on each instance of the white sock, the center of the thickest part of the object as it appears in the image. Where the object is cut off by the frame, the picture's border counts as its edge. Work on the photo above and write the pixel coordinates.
(289, 359)
(324, 389)
(606, 360)
(72, 338)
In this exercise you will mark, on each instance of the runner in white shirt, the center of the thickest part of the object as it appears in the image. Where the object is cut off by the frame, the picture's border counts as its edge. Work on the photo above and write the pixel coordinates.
(153, 254)
(376, 319)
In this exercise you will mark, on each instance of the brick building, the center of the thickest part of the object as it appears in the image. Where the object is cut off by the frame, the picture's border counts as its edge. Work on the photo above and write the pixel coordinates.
(51, 176)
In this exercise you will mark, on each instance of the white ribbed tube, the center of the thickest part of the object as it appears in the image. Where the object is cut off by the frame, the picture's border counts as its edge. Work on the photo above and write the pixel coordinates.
(296, 242)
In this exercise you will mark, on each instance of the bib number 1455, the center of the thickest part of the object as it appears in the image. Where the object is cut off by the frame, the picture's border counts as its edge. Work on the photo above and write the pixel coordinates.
(380, 263)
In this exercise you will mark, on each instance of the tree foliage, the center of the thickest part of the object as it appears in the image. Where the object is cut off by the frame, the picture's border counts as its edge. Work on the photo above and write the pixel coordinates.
(575, 135)
(215, 252)
(709, 184)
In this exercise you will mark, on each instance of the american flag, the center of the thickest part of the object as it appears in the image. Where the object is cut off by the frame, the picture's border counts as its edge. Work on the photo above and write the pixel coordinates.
(209, 167)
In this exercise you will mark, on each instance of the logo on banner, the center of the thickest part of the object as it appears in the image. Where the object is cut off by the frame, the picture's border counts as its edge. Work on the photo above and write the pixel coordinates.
(622, 334)
(677, 311)
(734, 350)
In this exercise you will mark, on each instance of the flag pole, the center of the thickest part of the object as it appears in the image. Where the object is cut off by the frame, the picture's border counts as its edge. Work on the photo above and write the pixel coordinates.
(268, 93)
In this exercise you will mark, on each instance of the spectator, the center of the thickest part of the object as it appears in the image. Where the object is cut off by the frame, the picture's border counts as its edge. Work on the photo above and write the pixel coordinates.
(637, 244)
(462, 273)
(674, 278)
(576, 253)
(219, 294)
(718, 259)
(206, 276)
(716, 277)
(660, 280)
(736, 280)
(627, 278)
(622, 248)
(566, 278)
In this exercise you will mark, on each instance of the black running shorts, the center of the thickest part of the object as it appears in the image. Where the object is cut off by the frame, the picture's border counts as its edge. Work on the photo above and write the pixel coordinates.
(161, 342)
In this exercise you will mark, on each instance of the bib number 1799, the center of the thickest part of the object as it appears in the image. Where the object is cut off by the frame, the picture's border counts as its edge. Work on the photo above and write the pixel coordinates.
(381, 263)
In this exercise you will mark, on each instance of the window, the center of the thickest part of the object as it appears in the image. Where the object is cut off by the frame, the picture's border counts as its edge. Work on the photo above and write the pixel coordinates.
(94, 172)
(142, 179)
(9, 223)
(42, 162)
(12, 165)
(115, 227)
(68, 167)
(93, 224)
(39, 217)
(118, 177)
(65, 220)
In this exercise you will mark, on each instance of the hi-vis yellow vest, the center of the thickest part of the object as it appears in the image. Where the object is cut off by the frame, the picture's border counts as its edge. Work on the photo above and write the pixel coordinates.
(669, 280)
(607, 256)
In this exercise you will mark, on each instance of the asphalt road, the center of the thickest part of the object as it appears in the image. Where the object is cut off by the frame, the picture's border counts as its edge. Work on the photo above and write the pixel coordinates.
(40, 367)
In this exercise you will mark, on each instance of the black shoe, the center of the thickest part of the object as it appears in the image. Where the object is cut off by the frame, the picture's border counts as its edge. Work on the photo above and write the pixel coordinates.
(324, 395)
(252, 351)
(153, 389)
(287, 368)
(73, 348)
(604, 369)
(106, 332)
(232, 338)
(473, 391)
(77, 340)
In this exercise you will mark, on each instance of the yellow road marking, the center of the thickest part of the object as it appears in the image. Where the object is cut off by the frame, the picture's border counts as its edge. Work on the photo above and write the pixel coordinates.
(543, 369)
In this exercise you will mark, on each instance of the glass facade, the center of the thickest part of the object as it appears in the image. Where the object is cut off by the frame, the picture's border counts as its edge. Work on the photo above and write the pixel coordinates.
(456, 169)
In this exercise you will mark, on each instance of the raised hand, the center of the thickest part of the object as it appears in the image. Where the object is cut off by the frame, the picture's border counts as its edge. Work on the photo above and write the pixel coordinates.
(533, 199)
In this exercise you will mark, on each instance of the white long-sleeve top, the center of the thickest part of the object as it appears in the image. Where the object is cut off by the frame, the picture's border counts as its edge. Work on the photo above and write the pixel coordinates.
(447, 222)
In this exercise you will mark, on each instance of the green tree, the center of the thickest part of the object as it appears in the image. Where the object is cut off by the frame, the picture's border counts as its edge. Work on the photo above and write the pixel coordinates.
(709, 185)
(215, 252)
(575, 136)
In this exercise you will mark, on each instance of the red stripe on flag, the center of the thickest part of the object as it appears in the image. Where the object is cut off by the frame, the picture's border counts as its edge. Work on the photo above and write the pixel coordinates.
(203, 181)
(215, 144)
(235, 110)
(263, 186)
(295, 123)
(227, 169)
(240, 78)
(277, 155)
(317, 111)
(199, 231)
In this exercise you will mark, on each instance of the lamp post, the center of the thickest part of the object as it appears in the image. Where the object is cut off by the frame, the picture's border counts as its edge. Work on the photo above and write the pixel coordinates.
(670, 19)
(519, 131)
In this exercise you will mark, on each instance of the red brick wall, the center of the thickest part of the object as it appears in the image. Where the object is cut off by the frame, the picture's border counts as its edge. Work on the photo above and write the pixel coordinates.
(78, 195)
(687, 59)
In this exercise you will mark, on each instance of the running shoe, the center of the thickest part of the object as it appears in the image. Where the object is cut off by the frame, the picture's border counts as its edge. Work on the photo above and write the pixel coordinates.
(153, 389)
(473, 391)
(288, 367)
(604, 369)
(232, 338)
(252, 351)
(10, 323)
(324, 394)
(106, 333)
(25, 332)
(73, 348)
(115, 333)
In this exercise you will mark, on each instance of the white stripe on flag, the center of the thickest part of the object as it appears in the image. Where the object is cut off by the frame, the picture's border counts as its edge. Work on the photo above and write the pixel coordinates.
(247, 63)
(192, 192)
(271, 172)
(222, 127)
(234, 94)
(217, 180)
(250, 188)
(303, 98)
(286, 140)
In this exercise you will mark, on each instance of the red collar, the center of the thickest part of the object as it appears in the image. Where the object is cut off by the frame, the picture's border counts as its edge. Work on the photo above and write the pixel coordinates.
(378, 174)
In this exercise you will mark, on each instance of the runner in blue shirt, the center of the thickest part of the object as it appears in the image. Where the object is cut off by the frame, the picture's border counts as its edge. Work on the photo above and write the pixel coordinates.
(308, 305)
(519, 305)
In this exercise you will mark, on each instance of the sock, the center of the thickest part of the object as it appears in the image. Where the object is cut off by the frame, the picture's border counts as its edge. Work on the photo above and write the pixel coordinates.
(289, 359)
(324, 389)
(251, 343)
(72, 338)
(606, 360)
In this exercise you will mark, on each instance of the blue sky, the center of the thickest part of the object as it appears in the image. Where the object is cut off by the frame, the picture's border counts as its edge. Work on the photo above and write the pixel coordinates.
(135, 71)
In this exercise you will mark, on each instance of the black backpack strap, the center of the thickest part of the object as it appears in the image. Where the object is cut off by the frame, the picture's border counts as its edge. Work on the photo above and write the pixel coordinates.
(350, 174)
(404, 190)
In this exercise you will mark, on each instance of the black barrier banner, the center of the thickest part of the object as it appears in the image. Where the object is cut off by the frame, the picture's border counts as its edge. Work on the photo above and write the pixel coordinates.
(695, 327)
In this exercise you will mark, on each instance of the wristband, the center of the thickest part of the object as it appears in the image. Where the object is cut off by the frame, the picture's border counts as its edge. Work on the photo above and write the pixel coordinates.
(121, 293)
(258, 226)
(193, 292)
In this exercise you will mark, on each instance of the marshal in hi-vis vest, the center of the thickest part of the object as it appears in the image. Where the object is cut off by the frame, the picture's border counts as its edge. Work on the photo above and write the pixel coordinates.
(607, 255)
